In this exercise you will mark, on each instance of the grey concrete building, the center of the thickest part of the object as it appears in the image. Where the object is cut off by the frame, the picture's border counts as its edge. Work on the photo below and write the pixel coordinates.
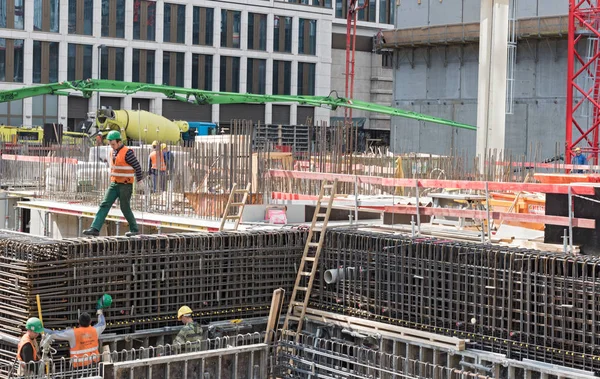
(436, 73)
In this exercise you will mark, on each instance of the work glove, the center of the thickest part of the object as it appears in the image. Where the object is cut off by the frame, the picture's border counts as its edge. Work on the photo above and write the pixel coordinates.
(99, 312)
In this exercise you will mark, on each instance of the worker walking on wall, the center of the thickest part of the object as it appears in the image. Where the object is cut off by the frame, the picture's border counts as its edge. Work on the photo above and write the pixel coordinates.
(158, 167)
(124, 169)
(579, 159)
(28, 348)
(83, 340)
(191, 331)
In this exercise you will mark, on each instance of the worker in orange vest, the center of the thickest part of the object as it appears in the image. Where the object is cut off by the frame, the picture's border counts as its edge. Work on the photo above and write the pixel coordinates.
(83, 340)
(27, 349)
(157, 167)
(124, 170)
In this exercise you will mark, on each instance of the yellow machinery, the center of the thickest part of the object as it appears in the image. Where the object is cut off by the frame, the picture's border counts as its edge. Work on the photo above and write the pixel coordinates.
(14, 134)
(141, 125)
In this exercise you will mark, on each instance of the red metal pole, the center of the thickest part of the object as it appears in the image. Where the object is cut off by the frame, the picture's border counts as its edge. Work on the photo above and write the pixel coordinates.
(570, 89)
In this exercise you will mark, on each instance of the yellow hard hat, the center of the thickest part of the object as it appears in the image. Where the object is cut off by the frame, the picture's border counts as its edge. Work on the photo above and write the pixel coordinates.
(184, 311)
(163, 145)
(155, 143)
(578, 149)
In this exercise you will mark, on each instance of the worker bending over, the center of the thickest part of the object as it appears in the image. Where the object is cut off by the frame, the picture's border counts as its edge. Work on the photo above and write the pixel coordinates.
(191, 331)
(83, 340)
(124, 169)
(27, 350)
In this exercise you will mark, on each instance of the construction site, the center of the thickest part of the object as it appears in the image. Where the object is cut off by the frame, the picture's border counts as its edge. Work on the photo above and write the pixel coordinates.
(462, 242)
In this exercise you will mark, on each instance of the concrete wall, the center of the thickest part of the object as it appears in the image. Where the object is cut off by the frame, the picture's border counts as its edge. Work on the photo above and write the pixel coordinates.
(443, 82)
(372, 83)
(411, 14)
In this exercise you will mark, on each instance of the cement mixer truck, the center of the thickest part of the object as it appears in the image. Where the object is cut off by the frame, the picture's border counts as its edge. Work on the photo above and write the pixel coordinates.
(139, 125)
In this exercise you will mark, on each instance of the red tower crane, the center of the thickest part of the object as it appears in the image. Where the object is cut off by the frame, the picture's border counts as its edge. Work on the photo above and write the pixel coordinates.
(583, 85)
(351, 18)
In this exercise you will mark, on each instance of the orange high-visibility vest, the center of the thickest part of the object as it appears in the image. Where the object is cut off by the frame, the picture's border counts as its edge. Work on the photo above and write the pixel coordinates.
(85, 350)
(24, 341)
(120, 171)
(163, 165)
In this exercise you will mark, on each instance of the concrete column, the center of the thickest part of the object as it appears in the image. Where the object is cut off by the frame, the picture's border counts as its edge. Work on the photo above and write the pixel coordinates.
(491, 95)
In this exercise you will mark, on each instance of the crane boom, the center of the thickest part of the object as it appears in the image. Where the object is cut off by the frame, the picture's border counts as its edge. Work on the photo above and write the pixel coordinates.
(196, 96)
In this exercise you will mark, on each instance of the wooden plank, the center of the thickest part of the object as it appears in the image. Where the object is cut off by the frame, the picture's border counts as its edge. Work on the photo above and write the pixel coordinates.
(576, 189)
(393, 331)
(274, 314)
(482, 214)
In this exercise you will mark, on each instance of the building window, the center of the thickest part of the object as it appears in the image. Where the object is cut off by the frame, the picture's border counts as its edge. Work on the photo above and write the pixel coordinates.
(174, 23)
(256, 73)
(365, 14)
(202, 33)
(230, 74)
(282, 77)
(11, 113)
(387, 60)
(230, 28)
(386, 11)
(11, 14)
(173, 68)
(46, 15)
(282, 37)
(81, 14)
(144, 13)
(44, 110)
(143, 66)
(45, 62)
(112, 63)
(314, 3)
(257, 31)
(113, 18)
(307, 37)
(11, 60)
(306, 78)
(79, 65)
(202, 69)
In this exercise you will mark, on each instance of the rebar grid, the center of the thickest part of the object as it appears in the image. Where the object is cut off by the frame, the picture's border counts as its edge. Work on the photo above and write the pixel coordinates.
(523, 303)
(325, 358)
(221, 276)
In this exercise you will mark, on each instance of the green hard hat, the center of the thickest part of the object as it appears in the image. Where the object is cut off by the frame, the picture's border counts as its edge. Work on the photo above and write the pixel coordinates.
(113, 135)
(34, 324)
(105, 301)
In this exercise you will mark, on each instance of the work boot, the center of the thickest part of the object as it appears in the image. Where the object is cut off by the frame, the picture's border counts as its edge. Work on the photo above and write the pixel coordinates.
(131, 234)
(91, 232)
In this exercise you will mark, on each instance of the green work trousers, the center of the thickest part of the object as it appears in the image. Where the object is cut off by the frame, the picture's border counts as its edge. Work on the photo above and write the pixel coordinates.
(123, 193)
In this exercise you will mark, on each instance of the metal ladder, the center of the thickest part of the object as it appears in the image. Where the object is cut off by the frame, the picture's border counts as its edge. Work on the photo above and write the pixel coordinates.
(310, 259)
(231, 203)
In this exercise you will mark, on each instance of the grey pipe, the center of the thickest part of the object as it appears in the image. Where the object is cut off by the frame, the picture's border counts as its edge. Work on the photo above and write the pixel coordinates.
(333, 275)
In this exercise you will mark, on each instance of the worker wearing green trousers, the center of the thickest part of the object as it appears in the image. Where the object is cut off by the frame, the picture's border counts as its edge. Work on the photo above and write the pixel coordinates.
(124, 169)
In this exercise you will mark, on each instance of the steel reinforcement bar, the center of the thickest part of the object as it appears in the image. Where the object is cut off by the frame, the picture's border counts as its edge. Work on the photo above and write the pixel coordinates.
(522, 303)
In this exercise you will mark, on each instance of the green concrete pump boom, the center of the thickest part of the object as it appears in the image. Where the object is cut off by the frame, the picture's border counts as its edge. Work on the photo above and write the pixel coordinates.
(196, 96)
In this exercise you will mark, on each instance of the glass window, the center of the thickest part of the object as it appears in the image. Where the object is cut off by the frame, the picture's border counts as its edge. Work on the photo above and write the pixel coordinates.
(307, 37)
(174, 23)
(386, 11)
(46, 15)
(173, 68)
(11, 113)
(255, 78)
(44, 110)
(257, 31)
(11, 14)
(230, 28)
(202, 33)
(282, 77)
(81, 16)
(11, 60)
(45, 62)
(306, 78)
(113, 18)
(314, 3)
(79, 65)
(143, 66)
(230, 74)
(282, 38)
(144, 13)
(202, 69)
(112, 63)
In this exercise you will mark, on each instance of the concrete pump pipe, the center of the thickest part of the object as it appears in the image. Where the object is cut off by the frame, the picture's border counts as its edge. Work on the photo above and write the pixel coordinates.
(333, 275)
(141, 125)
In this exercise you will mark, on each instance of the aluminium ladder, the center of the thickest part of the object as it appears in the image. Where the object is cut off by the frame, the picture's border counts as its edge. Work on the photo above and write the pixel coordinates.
(310, 259)
(232, 203)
